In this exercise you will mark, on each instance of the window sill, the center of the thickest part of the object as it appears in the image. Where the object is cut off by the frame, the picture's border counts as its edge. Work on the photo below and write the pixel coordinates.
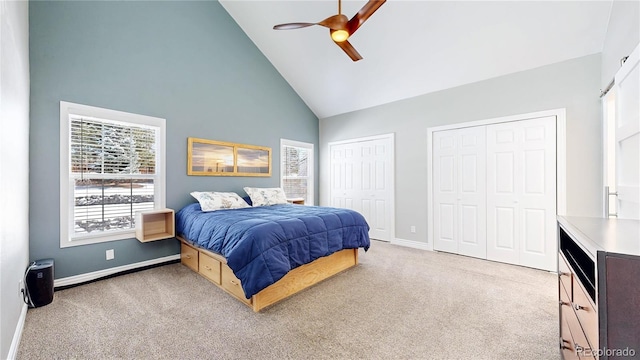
(88, 240)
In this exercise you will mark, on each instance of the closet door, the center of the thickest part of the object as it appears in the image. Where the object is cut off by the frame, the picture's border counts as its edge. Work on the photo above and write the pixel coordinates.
(362, 180)
(445, 191)
(375, 186)
(627, 133)
(459, 191)
(521, 193)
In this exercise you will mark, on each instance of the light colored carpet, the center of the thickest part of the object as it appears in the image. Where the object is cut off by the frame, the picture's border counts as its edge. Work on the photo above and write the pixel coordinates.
(399, 303)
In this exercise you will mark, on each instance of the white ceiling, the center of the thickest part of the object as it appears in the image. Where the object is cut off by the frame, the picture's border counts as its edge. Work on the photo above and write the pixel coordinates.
(412, 48)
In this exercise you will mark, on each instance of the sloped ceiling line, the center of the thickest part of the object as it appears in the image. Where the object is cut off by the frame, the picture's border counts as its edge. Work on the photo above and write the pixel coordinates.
(411, 48)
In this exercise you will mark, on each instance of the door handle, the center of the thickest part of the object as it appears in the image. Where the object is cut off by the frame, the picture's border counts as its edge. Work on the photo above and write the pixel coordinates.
(607, 194)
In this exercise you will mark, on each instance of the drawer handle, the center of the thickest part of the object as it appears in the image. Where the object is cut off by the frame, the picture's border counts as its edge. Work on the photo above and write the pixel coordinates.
(188, 256)
(233, 282)
(562, 303)
(206, 267)
(579, 307)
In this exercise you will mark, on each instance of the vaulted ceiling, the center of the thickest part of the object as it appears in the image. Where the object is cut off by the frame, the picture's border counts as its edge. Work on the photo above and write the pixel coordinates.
(410, 48)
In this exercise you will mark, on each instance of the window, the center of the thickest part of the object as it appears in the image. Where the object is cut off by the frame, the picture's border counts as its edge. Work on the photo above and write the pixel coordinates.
(111, 165)
(297, 170)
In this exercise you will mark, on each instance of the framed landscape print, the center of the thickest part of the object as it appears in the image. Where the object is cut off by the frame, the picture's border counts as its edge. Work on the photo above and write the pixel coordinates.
(220, 158)
(253, 160)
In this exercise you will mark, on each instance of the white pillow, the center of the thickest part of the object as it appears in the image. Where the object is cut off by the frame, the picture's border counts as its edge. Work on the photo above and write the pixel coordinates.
(266, 196)
(211, 200)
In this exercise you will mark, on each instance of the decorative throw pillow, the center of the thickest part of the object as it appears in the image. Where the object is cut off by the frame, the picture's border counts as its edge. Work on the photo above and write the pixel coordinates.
(266, 196)
(211, 200)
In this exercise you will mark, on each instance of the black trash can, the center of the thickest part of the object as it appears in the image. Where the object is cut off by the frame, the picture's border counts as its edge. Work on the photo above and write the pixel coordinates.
(39, 283)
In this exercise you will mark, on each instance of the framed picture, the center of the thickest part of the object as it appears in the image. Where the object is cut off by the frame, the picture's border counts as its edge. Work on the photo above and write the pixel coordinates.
(253, 160)
(220, 158)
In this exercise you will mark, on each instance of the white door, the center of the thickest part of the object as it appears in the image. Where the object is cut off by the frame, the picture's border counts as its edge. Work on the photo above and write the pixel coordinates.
(627, 135)
(362, 180)
(342, 173)
(459, 188)
(445, 191)
(521, 193)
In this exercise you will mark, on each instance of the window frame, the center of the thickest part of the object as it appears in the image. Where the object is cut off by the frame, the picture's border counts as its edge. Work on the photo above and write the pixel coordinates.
(67, 181)
(311, 170)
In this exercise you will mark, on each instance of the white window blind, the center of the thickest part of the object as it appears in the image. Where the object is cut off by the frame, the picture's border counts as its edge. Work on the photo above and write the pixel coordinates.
(297, 170)
(113, 167)
(112, 172)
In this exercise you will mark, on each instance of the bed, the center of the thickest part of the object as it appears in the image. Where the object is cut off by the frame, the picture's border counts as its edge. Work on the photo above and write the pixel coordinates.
(263, 254)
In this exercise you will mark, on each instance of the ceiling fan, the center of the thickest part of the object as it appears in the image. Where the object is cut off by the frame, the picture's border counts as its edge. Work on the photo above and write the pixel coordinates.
(340, 27)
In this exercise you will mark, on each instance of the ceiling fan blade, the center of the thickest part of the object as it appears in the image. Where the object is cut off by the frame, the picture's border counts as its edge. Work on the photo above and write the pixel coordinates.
(335, 22)
(363, 14)
(290, 26)
(349, 49)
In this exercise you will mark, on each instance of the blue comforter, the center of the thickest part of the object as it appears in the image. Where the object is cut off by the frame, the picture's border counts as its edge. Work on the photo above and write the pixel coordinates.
(262, 244)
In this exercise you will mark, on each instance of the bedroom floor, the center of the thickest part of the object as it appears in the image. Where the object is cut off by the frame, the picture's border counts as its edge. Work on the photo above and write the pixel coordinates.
(398, 303)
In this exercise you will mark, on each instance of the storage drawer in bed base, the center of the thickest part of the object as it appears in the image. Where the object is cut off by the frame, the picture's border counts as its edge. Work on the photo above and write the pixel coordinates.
(214, 267)
(189, 256)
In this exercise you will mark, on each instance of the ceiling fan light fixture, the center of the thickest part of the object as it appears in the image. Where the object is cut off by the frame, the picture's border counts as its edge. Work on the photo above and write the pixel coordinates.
(339, 35)
(341, 27)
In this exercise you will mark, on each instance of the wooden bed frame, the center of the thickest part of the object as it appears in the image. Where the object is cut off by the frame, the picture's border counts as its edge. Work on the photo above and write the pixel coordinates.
(214, 267)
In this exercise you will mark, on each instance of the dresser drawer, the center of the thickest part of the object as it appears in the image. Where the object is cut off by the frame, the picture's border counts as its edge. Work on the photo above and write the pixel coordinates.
(586, 313)
(189, 256)
(574, 343)
(231, 283)
(209, 268)
(566, 341)
(565, 275)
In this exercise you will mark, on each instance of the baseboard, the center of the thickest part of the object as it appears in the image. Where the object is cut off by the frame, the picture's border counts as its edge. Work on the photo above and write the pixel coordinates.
(82, 278)
(412, 244)
(17, 335)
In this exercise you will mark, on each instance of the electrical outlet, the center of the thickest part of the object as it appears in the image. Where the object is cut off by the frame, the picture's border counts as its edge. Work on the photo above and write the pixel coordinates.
(110, 254)
(20, 287)
(413, 229)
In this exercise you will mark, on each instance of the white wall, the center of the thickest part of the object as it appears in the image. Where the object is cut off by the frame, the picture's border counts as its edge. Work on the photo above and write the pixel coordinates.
(14, 165)
(623, 35)
(573, 84)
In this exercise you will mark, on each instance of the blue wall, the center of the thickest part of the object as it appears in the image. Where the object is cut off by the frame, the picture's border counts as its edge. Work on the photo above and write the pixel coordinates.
(187, 62)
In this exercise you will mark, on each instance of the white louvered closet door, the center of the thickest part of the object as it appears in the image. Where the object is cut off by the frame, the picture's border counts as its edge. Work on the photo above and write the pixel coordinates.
(521, 193)
(459, 191)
